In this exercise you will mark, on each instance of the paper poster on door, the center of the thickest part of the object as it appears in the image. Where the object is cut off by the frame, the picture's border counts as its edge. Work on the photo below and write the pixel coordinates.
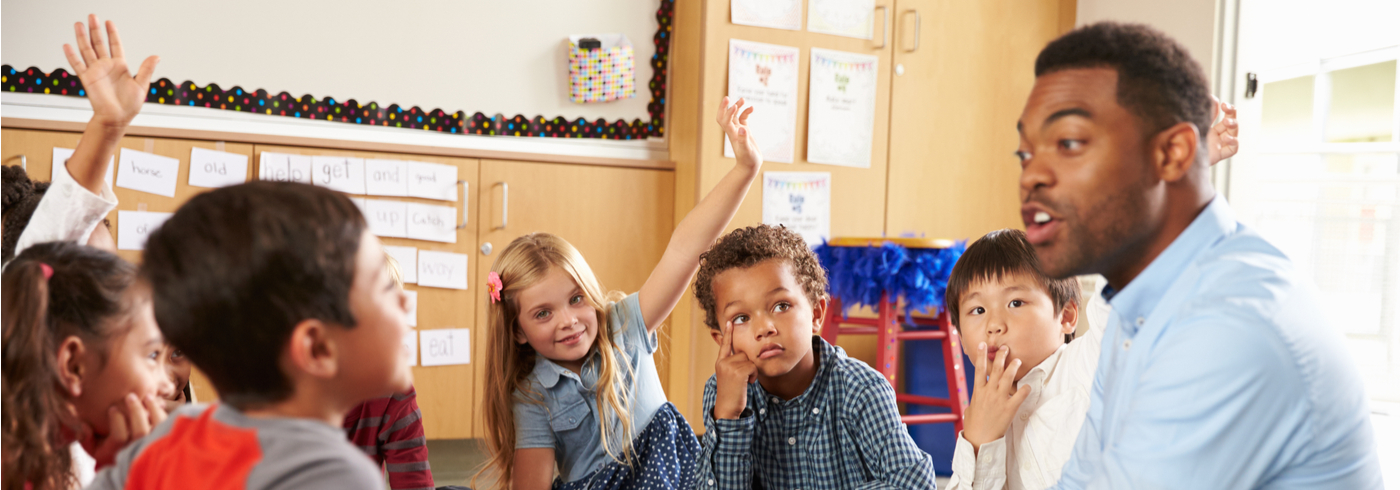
(445, 346)
(800, 201)
(344, 174)
(407, 257)
(282, 167)
(133, 227)
(410, 344)
(841, 108)
(442, 269)
(147, 172)
(778, 14)
(211, 168)
(850, 18)
(60, 162)
(765, 76)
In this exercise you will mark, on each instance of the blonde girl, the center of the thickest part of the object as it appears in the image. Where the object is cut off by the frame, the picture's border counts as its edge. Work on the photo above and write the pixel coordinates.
(564, 394)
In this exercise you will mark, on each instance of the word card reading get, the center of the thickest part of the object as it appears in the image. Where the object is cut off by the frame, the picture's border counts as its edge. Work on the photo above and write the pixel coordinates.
(281, 167)
(412, 307)
(442, 269)
(133, 227)
(410, 344)
(445, 346)
(386, 178)
(386, 218)
(210, 168)
(407, 258)
(146, 172)
(60, 162)
(344, 174)
(432, 181)
(429, 222)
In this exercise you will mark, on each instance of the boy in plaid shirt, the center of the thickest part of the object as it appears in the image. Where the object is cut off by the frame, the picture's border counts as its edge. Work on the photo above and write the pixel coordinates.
(785, 409)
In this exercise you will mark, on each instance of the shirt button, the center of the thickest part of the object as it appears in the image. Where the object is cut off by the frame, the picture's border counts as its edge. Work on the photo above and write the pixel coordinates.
(1127, 344)
(816, 411)
(712, 482)
(792, 441)
(1141, 321)
(775, 399)
(762, 411)
(1025, 416)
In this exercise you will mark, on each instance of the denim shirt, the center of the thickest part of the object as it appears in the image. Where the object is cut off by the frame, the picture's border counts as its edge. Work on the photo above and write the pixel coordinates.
(568, 419)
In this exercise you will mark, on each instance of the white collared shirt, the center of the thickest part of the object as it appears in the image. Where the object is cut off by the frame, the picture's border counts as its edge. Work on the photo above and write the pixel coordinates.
(1042, 433)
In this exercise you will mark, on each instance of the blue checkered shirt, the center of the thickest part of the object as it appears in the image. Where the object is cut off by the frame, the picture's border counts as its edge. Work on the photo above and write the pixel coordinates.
(843, 432)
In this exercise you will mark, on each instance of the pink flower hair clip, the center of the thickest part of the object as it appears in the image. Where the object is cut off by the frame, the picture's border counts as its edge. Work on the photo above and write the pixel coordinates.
(494, 286)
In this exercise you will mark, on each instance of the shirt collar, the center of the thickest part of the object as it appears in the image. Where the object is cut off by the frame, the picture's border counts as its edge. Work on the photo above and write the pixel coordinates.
(547, 372)
(1042, 372)
(1136, 300)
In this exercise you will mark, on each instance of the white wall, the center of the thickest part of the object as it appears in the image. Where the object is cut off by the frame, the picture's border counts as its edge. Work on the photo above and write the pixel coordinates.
(1190, 22)
(471, 55)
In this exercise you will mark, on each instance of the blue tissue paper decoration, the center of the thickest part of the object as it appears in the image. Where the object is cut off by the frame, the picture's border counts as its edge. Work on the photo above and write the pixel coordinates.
(859, 276)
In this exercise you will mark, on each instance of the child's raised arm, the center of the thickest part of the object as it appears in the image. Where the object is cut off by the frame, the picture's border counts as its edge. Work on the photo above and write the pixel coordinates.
(704, 224)
(116, 98)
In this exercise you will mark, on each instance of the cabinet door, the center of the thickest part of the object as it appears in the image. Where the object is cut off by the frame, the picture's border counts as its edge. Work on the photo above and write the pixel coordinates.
(967, 68)
(444, 392)
(618, 218)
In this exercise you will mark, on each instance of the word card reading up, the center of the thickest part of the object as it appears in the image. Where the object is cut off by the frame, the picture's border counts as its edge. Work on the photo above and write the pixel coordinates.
(442, 269)
(146, 172)
(282, 167)
(209, 168)
(445, 346)
(428, 222)
(432, 181)
(344, 174)
(60, 162)
(133, 227)
(386, 218)
(386, 178)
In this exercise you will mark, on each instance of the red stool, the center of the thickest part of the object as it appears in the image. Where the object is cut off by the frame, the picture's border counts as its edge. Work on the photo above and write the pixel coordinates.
(889, 332)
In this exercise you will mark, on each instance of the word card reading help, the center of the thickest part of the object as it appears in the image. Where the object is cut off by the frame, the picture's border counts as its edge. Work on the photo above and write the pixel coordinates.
(210, 168)
(445, 346)
(147, 172)
(133, 227)
(281, 167)
(442, 269)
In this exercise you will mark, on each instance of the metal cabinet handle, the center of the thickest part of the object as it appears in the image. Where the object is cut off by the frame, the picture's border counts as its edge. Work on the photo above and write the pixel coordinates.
(885, 33)
(917, 21)
(463, 224)
(505, 203)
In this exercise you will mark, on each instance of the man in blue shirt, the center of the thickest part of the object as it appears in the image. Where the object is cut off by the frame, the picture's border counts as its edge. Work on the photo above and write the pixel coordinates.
(1218, 368)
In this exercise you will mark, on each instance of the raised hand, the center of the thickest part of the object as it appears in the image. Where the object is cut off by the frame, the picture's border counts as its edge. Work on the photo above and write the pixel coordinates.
(994, 398)
(128, 421)
(115, 95)
(1223, 139)
(733, 374)
(734, 119)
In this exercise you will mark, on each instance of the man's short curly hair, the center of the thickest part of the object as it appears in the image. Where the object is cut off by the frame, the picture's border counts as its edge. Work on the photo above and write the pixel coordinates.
(746, 247)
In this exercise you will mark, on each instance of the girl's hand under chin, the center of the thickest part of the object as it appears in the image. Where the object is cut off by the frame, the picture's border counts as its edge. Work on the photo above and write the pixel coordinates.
(129, 420)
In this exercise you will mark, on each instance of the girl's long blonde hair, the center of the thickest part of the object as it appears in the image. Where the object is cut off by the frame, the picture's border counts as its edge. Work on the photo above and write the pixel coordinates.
(524, 263)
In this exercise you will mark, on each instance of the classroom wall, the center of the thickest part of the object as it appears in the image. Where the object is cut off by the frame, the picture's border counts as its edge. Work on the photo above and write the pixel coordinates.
(506, 57)
(1190, 22)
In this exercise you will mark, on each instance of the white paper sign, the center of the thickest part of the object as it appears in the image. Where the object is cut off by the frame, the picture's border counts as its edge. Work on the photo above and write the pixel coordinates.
(344, 174)
(282, 167)
(851, 18)
(778, 14)
(765, 76)
(386, 178)
(429, 222)
(210, 168)
(387, 218)
(133, 227)
(60, 161)
(445, 346)
(407, 257)
(410, 344)
(360, 203)
(412, 307)
(442, 269)
(841, 108)
(146, 172)
(801, 201)
(432, 181)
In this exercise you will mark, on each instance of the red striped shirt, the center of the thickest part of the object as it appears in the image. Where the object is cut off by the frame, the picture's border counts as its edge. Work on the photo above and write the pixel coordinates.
(390, 431)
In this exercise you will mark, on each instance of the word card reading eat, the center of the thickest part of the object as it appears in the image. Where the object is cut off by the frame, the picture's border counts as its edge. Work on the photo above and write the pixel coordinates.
(281, 167)
(210, 168)
(60, 162)
(133, 227)
(386, 178)
(344, 174)
(445, 346)
(146, 172)
(442, 269)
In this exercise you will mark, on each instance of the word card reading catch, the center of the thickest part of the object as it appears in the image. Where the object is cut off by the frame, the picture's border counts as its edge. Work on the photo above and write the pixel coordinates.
(133, 227)
(386, 178)
(445, 346)
(442, 269)
(344, 174)
(429, 222)
(281, 167)
(210, 168)
(146, 172)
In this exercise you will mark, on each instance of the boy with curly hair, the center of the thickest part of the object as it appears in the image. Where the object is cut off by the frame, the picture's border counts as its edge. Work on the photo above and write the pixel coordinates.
(785, 409)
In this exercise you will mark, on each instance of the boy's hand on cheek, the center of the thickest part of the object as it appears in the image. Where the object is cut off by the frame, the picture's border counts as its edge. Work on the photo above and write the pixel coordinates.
(733, 374)
(995, 398)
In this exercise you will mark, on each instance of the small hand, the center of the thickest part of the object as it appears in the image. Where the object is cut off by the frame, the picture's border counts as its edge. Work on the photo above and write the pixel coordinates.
(734, 119)
(128, 421)
(995, 398)
(116, 96)
(1223, 139)
(734, 372)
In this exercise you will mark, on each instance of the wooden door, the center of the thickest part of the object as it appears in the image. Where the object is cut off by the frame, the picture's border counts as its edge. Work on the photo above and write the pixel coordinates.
(444, 392)
(967, 68)
(620, 219)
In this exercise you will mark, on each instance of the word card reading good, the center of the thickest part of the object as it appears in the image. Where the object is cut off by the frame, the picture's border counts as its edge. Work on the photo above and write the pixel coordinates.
(432, 181)
(428, 222)
(410, 344)
(386, 178)
(133, 227)
(445, 346)
(282, 167)
(412, 308)
(146, 172)
(210, 168)
(386, 218)
(442, 269)
(407, 257)
(60, 162)
(344, 174)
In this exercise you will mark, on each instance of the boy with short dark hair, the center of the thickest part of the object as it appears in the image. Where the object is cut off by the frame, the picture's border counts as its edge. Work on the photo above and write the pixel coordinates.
(277, 292)
(785, 409)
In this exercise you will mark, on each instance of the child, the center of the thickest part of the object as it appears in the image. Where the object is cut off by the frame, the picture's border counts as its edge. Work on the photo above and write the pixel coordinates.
(81, 198)
(570, 378)
(83, 362)
(293, 318)
(390, 429)
(1025, 413)
(815, 418)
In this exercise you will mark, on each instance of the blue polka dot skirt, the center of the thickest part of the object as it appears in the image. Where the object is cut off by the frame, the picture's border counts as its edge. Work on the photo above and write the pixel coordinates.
(665, 458)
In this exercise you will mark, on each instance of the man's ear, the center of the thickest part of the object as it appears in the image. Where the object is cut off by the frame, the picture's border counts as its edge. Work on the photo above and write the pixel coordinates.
(312, 350)
(71, 354)
(1175, 151)
(818, 315)
(1069, 317)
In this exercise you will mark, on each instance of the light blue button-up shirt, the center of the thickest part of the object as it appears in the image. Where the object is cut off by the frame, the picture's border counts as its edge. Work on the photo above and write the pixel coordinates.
(1220, 370)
